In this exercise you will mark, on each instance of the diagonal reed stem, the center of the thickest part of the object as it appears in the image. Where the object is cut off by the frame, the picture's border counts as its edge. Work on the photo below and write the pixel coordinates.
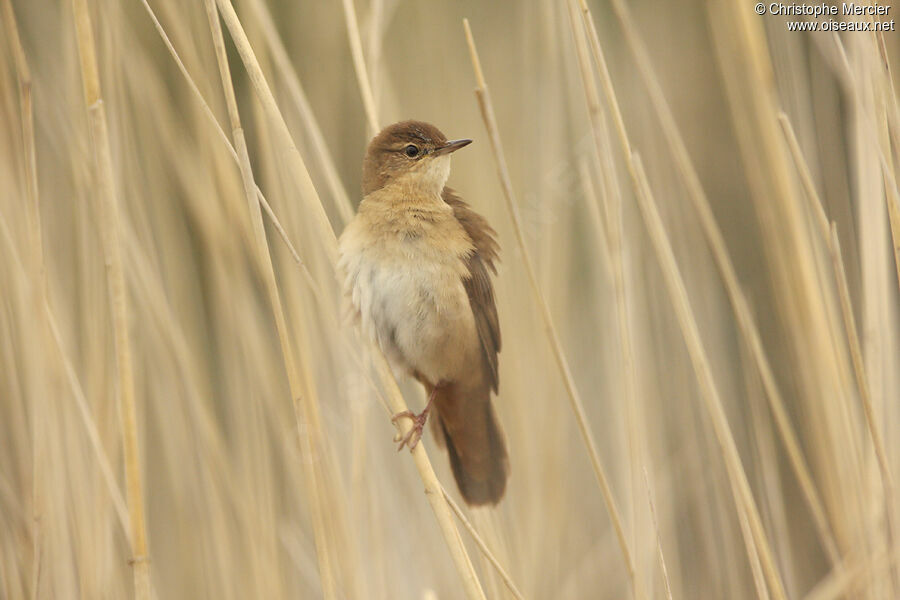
(745, 319)
(482, 545)
(320, 152)
(615, 232)
(862, 382)
(892, 198)
(218, 128)
(490, 122)
(659, 550)
(299, 385)
(829, 235)
(743, 495)
(304, 184)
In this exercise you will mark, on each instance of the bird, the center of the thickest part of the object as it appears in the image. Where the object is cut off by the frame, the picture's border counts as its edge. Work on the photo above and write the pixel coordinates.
(415, 264)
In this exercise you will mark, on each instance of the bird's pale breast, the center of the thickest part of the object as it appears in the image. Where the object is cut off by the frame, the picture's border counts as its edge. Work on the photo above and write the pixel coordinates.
(403, 274)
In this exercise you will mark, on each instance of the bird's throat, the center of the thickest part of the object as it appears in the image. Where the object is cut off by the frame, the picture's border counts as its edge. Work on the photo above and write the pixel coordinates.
(425, 180)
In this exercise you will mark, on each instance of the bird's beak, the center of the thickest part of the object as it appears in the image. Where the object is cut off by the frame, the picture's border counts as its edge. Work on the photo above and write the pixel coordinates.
(451, 146)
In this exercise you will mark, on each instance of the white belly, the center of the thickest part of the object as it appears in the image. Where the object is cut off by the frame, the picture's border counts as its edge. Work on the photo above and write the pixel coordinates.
(413, 304)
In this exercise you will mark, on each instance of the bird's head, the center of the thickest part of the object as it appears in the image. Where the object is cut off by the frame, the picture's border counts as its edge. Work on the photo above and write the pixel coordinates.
(414, 152)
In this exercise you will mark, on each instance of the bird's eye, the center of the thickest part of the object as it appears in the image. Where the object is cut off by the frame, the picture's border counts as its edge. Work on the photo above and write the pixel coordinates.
(411, 151)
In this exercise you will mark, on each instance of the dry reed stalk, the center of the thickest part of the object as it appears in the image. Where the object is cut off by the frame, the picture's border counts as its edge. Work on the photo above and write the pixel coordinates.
(745, 319)
(89, 425)
(32, 527)
(81, 401)
(319, 148)
(765, 462)
(109, 215)
(299, 384)
(487, 113)
(276, 223)
(859, 368)
(373, 52)
(37, 272)
(829, 234)
(330, 490)
(295, 164)
(743, 495)
(479, 541)
(806, 180)
(613, 198)
(821, 221)
(659, 551)
(442, 511)
(208, 112)
(806, 310)
(593, 205)
(759, 579)
(433, 487)
(26, 108)
(892, 199)
(875, 246)
(844, 583)
(359, 65)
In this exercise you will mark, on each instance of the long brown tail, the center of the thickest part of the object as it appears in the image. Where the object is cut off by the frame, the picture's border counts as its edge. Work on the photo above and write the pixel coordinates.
(467, 423)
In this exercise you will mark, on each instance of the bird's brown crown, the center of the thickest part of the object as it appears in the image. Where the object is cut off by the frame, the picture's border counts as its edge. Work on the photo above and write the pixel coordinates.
(397, 150)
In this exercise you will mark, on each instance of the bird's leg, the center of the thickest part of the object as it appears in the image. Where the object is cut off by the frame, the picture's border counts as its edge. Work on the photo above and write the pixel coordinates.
(411, 439)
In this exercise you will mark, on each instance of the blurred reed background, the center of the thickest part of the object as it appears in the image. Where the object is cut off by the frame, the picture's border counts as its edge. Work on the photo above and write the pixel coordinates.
(737, 364)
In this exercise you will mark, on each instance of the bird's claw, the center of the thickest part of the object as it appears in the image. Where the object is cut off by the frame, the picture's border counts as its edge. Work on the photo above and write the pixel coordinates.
(412, 437)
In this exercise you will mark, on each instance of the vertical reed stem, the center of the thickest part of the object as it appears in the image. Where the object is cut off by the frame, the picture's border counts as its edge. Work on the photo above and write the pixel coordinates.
(109, 226)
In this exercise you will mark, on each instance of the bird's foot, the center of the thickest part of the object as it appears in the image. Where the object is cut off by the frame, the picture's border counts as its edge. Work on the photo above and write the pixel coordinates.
(412, 437)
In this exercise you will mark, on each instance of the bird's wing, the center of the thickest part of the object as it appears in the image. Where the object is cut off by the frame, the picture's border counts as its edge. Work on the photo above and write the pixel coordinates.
(478, 284)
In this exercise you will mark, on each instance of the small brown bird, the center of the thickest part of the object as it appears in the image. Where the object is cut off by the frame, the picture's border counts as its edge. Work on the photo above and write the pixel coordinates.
(415, 264)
